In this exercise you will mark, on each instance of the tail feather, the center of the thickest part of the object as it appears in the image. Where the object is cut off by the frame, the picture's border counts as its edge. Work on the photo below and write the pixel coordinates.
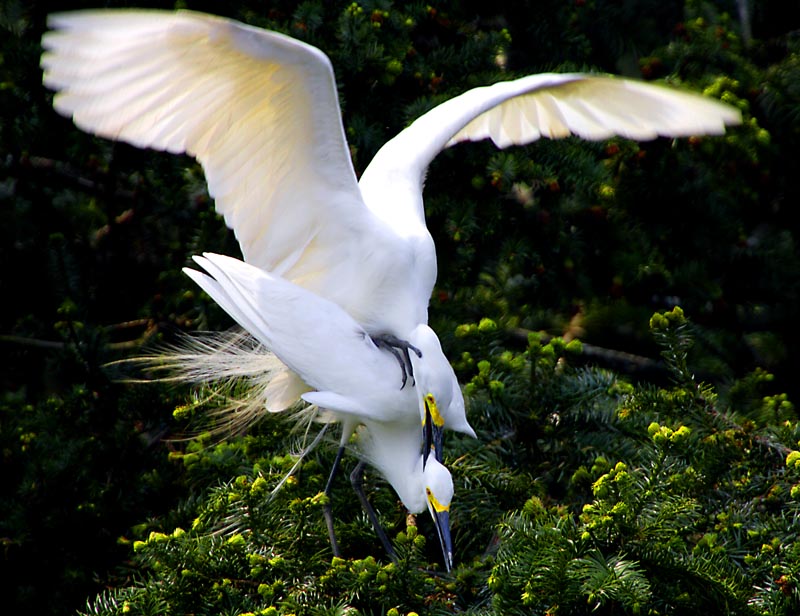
(239, 378)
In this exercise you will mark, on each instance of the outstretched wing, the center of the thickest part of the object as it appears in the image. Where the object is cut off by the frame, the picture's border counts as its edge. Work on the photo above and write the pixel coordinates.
(547, 105)
(258, 110)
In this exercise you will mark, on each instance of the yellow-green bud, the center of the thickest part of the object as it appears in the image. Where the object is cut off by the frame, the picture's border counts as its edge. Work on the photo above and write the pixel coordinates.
(487, 325)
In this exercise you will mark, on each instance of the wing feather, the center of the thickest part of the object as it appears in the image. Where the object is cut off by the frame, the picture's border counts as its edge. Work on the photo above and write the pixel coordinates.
(314, 337)
(258, 110)
(547, 105)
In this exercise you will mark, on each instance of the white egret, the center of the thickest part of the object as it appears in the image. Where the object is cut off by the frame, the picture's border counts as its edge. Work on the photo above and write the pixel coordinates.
(351, 376)
(260, 112)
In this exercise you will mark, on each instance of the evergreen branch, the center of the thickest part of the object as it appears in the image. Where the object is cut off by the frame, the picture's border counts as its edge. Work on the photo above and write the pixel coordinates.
(619, 361)
(54, 345)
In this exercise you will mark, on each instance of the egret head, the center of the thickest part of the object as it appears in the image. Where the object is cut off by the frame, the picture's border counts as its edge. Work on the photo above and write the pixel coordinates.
(439, 494)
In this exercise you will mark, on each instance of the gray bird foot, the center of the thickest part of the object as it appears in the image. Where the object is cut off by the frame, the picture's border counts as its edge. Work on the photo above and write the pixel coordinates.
(400, 349)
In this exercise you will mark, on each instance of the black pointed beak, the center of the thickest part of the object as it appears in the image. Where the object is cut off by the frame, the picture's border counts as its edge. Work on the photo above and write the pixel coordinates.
(442, 521)
(427, 436)
(432, 434)
(437, 439)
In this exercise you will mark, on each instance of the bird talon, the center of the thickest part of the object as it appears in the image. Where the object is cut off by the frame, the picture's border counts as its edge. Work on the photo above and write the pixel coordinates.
(400, 349)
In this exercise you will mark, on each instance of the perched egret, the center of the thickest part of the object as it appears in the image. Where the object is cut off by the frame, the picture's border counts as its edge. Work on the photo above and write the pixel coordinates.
(260, 112)
(352, 377)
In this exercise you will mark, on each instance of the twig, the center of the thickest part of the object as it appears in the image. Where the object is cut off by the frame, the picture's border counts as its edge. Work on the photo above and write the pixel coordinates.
(621, 361)
(54, 345)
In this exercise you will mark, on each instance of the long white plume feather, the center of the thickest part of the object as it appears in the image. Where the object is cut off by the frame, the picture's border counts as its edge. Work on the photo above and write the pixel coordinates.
(235, 371)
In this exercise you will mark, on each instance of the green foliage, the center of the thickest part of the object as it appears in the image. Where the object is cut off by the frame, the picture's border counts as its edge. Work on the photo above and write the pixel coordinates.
(680, 502)
(665, 482)
(648, 501)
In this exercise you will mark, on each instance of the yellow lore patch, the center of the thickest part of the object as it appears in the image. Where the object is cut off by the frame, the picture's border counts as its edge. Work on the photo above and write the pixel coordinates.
(430, 404)
(437, 506)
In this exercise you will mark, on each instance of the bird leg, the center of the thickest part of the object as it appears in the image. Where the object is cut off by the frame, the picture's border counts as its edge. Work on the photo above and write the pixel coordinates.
(400, 349)
(357, 479)
(326, 508)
